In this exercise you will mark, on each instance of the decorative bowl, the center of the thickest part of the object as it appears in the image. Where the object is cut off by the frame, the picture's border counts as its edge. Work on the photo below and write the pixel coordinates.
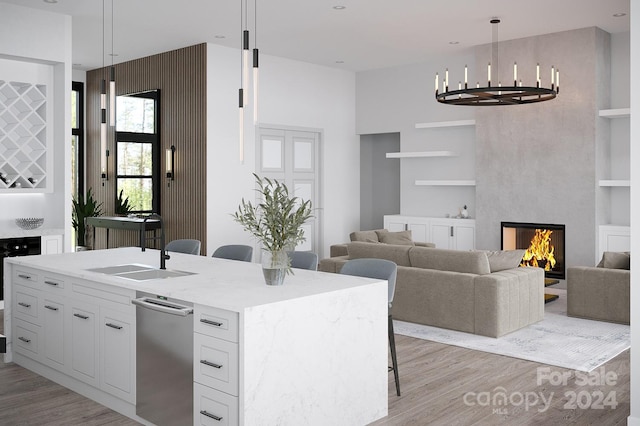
(29, 222)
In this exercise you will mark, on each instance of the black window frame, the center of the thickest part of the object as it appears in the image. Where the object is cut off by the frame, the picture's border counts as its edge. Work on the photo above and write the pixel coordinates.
(154, 139)
(77, 86)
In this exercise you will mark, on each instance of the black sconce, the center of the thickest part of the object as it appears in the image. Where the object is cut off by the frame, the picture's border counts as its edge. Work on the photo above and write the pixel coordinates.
(170, 163)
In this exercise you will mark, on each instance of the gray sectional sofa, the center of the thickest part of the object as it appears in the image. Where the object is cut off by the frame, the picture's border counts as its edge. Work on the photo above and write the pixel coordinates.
(472, 291)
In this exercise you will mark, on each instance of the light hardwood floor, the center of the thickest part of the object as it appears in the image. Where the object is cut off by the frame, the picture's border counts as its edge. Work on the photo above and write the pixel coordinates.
(434, 380)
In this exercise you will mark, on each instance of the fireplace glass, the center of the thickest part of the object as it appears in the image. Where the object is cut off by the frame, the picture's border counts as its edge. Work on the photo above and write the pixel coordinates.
(543, 242)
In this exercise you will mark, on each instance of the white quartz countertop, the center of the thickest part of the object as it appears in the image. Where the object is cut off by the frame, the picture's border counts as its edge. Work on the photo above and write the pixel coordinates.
(15, 232)
(220, 283)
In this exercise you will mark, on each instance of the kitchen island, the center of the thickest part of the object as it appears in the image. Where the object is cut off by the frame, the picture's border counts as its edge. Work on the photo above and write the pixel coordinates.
(312, 351)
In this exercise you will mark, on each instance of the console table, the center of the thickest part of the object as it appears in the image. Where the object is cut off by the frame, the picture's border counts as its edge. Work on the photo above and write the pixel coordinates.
(123, 222)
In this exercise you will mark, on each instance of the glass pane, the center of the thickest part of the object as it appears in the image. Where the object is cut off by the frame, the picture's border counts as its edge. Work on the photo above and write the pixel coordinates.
(271, 154)
(74, 109)
(74, 166)
(302, 155)
(307, 245)
(303, 190)
(135, 114)
(135, 158)
(139, 191)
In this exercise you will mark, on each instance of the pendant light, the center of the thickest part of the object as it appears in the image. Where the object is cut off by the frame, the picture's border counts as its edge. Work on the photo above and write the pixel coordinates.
(241, 94)
(103, 114)
(245, 54)
(112, 80)
(255, 62)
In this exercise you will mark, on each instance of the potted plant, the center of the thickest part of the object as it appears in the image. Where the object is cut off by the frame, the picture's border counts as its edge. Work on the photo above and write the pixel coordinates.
(277, 223)
(123, 208)
(84, 207)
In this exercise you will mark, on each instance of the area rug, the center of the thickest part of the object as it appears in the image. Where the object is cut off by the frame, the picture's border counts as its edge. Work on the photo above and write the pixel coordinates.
(558, 340)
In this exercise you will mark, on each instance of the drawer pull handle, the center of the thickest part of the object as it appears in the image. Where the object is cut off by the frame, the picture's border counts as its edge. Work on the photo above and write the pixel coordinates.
(24, 339)
(210, 364)
(212, 416)
(117, 327)
(26, 305)
(209, 322)
(53, 308)
(24, 276)
(81, 316)
(51, 283)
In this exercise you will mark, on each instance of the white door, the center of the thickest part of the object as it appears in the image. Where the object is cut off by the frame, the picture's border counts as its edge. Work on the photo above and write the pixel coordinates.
(293, 157)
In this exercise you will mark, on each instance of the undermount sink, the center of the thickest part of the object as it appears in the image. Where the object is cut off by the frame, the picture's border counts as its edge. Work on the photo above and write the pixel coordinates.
(118, 269)
(139, 272)
(152, 274)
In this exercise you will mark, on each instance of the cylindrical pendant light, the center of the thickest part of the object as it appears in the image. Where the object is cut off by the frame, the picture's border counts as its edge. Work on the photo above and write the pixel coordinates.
(255, 62)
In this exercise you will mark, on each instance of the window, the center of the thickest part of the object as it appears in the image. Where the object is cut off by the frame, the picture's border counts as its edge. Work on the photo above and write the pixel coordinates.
(138, 150)
(77, 138)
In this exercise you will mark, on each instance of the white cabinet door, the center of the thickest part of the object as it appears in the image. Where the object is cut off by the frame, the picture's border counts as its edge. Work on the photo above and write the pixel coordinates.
(464, 237)
(51, 244)
(419, 230)
(84, 342)
(116, 354)
(54, 336)
(441, 235)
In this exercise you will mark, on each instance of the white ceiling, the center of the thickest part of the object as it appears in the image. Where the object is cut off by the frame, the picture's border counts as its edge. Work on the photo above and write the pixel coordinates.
(367, 34)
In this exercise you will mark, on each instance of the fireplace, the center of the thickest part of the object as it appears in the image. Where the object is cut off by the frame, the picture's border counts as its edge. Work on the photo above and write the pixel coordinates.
(543, 242)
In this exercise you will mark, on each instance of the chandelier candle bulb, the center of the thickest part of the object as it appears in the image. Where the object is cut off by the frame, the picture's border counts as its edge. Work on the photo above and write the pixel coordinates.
(465, 77)
(436, 83)
(446, 78)
(558, 81)
(489, 74)
(538, 75)
(553, 77)
(515, 73)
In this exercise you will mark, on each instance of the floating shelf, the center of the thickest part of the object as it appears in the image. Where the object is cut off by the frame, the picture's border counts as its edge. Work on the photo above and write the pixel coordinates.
(421, 154)
(609, 183)
(457, 123)
(615, 113)
(446, 183)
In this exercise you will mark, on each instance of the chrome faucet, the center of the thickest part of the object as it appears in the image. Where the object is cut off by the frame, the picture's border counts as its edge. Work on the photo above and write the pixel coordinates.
(163, 252)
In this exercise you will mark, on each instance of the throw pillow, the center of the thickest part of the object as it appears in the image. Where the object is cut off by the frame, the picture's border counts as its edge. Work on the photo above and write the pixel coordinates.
(500, 260)
(400, 238)
(615, 260)
(365, 236)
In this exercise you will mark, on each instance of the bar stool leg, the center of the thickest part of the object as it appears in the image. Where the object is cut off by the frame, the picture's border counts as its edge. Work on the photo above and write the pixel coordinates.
(392, 346)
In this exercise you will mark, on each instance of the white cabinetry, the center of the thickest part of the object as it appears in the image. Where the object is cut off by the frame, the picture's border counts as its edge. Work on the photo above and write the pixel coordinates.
(77, 328)
(455, 234)
(613, 238)
(216, 366)
(51, 244)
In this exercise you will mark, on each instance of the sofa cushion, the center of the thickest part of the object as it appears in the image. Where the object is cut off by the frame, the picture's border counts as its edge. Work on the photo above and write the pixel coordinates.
(366, 236)
(471, 262)
(398, 238)
(395, 253)
(615, 260)
(500, 260)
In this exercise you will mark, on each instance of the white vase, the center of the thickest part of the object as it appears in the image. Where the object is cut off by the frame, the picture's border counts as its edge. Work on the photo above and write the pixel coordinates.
(274, 266)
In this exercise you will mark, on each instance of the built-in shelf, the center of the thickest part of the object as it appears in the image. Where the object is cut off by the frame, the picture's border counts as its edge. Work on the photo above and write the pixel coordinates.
(446, 183)
(457, 123)
(615, 182)
(615, 113)
(421, 154)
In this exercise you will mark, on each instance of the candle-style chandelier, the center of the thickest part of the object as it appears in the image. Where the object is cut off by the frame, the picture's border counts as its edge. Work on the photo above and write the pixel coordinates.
(497, 94)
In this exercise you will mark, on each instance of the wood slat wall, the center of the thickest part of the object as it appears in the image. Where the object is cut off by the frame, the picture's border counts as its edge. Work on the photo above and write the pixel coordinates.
(181, 77)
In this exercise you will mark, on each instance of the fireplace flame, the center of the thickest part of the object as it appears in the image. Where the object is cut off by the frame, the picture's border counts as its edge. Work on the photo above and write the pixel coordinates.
(540, 251)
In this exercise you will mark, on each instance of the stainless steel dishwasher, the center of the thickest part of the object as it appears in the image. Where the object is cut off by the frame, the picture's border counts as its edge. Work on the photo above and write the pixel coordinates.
(164, 360)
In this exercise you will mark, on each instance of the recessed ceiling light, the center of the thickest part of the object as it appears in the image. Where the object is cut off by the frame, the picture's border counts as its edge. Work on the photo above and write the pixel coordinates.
(219, 36)
(339, 62)
(113, 54)
(339, 7)
(619, 15)
(454, 42)
(50, 1)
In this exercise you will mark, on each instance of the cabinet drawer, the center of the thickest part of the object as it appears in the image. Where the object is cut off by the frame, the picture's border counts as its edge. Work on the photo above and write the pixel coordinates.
(53, 282)
(26, 305)
(212, 407)
(216, 323)
(26, 277)
(215, 363)
(25, 338)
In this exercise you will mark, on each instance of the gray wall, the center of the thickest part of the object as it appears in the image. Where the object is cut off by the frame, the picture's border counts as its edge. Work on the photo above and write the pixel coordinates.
(379, 179)
(539, 162)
